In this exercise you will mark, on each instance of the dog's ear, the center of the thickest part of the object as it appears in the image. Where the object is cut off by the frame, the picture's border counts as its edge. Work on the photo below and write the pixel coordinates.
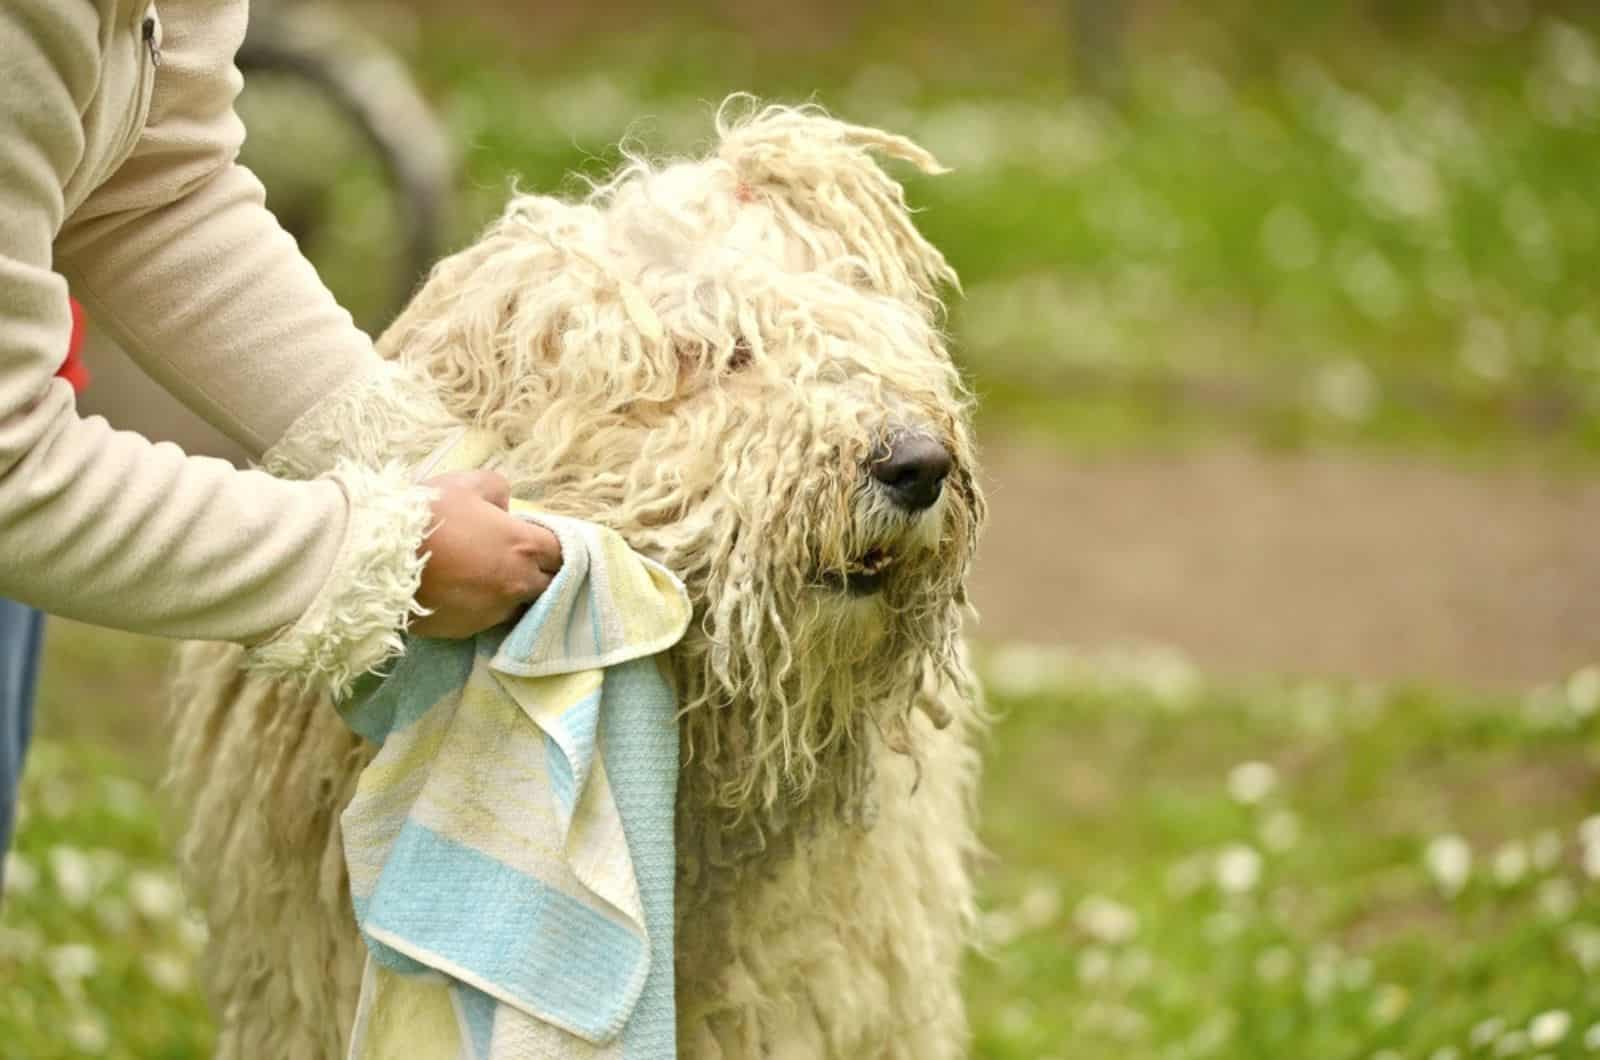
(823, 182)
(487, 323)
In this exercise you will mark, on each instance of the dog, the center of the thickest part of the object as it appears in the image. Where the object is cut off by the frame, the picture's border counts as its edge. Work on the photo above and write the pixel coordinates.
(737, 363)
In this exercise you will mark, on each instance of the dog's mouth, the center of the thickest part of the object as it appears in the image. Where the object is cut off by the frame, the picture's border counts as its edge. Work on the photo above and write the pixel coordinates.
(865, 574)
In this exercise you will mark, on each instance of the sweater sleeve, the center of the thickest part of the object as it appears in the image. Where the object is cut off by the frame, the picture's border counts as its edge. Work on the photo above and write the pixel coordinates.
(177, 256)
(104, 526)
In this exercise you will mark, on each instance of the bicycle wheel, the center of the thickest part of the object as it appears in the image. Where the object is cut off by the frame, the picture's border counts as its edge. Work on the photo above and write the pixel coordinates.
(355, 166)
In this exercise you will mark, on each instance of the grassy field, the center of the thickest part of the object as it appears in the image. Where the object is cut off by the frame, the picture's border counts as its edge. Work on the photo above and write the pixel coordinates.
(1179, 870)
(1291, 228)
(1285, 870)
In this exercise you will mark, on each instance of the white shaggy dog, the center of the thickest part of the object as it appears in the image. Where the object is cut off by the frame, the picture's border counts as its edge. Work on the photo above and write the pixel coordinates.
(736, 363)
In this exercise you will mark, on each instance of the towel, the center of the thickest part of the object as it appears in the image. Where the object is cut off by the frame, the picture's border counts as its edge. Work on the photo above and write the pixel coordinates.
(511, 845)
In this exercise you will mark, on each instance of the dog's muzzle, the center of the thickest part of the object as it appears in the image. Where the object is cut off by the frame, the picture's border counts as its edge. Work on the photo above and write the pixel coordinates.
(911, 469)
(908, 471)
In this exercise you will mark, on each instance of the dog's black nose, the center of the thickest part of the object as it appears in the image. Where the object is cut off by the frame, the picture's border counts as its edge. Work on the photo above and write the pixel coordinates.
(913, 469)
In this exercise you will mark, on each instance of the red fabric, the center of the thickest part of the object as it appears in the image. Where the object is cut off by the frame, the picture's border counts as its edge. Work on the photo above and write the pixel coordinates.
(73, 370)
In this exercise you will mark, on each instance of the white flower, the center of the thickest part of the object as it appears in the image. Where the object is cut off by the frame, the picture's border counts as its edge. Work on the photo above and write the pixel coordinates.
(1390, 1004)
(74, 876)
(1583, 691)
(1549, 1028)
(1016, 1019)
(1238, 869)
(154, 896)
(106, 864)
(1094, 964)
(1250, 782)
(967, 133)
(1557, 898)
(1135, 967)
(1449, 862)
(20, 944)
(1118, 1020)
(87, 1033)
(72, 962)
(1280, 831)
(1510, 863)
(1022, 669)
(1374, 286)
(1511, 1043)
(1315, 706)
(1321, 979)
(1223, 926)
(1486, 1032)
(1275, 965)
(168, 971)
(1345, 389)
(1000, 928)
(1547, 850)
(1591, 1038)
(1106, 920)
(1167, 675)
(1589, 841)
(1040, 906)
(1398, 183)
(1589, 831)
(1591, 860)
(21, 877)
(113, 915)
(1583, 942)
(1213, 1035)
(192, 932)
(1485, 349)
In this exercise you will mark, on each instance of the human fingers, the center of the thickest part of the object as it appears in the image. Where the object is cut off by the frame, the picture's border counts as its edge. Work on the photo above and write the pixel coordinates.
(542, 546)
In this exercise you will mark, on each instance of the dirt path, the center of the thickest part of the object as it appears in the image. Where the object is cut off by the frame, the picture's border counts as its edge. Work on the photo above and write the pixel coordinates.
(1315, 564)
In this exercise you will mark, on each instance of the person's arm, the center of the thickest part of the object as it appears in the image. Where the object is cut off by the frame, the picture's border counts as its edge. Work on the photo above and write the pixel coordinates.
(105, 527)
(184, 263)
(177, 257)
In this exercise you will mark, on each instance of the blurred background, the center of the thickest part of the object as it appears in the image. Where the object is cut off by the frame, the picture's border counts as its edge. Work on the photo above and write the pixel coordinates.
(1283, 322)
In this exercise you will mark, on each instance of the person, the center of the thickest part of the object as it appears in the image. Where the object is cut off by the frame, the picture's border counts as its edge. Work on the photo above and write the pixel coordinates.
(21, 637)
(118, 176)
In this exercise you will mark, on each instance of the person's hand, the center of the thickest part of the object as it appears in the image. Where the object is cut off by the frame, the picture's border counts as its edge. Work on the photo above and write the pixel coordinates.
(483, 563)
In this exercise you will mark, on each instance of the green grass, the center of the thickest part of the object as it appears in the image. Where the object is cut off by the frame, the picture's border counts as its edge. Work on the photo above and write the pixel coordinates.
(1178, 870)
(1184, 871)
(1293, 226)
(97, 955)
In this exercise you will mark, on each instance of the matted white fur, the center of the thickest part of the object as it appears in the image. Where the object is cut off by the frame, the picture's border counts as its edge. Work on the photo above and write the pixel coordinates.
(707, 356)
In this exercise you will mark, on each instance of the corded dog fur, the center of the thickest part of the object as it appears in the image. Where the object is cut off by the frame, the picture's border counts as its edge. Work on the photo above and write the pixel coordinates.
(714, 357)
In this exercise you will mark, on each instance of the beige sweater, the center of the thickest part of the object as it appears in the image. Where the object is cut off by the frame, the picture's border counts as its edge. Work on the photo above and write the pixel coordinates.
(117, 172)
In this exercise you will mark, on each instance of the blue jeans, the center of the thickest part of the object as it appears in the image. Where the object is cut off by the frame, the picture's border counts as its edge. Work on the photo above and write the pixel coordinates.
(21, 637)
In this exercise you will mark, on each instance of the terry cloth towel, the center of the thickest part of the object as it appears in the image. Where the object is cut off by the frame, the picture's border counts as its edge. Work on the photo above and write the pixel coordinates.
(511, 846)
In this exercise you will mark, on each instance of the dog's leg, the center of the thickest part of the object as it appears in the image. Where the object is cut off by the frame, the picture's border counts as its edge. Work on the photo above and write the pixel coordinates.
(261, 773)
(851, 948)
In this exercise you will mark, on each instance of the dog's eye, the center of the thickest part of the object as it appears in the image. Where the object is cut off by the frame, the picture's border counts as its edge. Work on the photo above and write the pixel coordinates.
(741, 357)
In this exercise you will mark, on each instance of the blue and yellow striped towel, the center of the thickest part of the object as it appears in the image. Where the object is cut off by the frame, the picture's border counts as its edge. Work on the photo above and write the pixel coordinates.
(511, 846)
